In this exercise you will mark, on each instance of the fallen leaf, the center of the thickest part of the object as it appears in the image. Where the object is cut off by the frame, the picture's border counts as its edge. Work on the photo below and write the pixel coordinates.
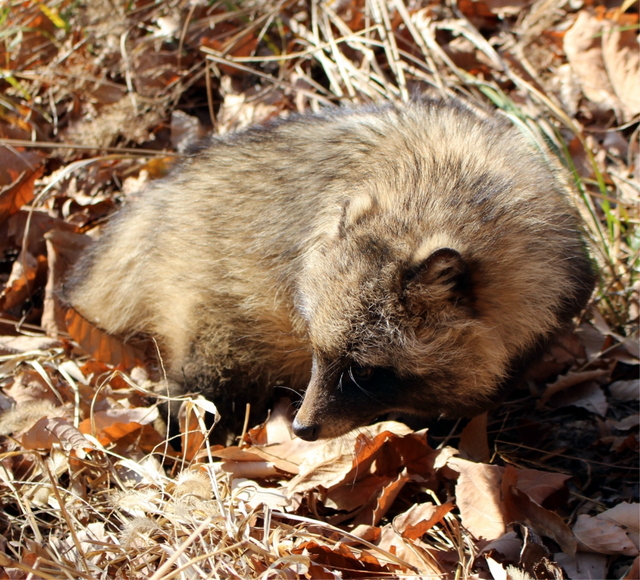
(508, 546)
(410, 551)
(629, 422)
(626, 515)
(478, 498)
(583, 566)
(420, 518)
(26, 272)
(622, 62)
(20, 191)
(519, 507)
(48, 432)
(113, 424)
(193, 430)
(539, 485)
(570, 379)
(342, 559)
(257, 496)
(63, 248)
(625, 390)
(474, 444)
(101, 345)
(589, 396)
(21, 344)
(384, 500)
(601, 57)
(603, 536)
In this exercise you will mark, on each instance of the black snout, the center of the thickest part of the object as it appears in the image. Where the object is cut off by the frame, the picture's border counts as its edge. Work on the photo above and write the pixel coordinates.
(306, 432)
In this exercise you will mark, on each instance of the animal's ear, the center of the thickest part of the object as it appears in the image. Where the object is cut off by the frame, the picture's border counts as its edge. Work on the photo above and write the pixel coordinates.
(442, 276)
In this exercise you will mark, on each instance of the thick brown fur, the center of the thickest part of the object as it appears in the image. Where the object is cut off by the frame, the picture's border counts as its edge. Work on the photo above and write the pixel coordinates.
(410, 259)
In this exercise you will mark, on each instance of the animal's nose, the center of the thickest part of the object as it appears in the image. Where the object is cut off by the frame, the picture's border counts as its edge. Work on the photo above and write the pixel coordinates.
(306, 432)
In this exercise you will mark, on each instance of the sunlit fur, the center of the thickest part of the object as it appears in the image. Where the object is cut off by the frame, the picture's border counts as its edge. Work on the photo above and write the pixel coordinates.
(307, 243)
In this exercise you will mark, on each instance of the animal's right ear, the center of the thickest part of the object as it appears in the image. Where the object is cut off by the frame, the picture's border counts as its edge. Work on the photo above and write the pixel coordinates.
(440, 277)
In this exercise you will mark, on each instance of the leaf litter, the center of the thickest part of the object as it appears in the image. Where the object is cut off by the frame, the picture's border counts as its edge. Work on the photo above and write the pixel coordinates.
(98, 99)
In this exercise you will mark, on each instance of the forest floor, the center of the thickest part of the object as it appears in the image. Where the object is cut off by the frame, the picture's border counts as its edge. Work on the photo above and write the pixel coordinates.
(99, 98)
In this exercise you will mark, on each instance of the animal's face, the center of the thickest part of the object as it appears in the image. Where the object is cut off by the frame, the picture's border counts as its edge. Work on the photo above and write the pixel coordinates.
(392, 327)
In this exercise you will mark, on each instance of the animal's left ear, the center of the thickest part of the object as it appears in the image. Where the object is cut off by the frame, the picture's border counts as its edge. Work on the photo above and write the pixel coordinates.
(442, 276)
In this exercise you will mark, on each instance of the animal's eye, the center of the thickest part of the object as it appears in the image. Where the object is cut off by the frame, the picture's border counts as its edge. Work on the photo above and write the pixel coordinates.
(359, 373)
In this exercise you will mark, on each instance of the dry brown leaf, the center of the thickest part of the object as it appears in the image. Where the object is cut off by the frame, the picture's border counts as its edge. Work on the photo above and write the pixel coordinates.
(192, 437)
(622, 62)
(519, 507)
(420, 518)
(583, 46)
(508, 546)
(603, 536)
(249, 469)
(626, 515)
(113, 424)
(474, 444)
(20, 418)
(20, 190)
(334, 462)
(384, 500)
(410, 551)
(63, 248)
(625, 424)
(342, 559)
(20, 344)
(101, 345)
(583, 566)
(589, 396)
(275, 443)
(625, 390)
(570, 379)
(26, 273)
(29, 386)
(478, 498)
(539, 485)
(48, 432)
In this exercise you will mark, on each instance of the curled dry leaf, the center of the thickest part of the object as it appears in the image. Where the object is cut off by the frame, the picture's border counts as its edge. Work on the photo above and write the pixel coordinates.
(255, 495)
(48, 432)
(26, 273)
(413, 552)
(193, 431)
(420, 518)
(20, 189)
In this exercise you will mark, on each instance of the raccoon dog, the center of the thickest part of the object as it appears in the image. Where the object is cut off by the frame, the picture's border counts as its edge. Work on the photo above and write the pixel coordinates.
(413, 259)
